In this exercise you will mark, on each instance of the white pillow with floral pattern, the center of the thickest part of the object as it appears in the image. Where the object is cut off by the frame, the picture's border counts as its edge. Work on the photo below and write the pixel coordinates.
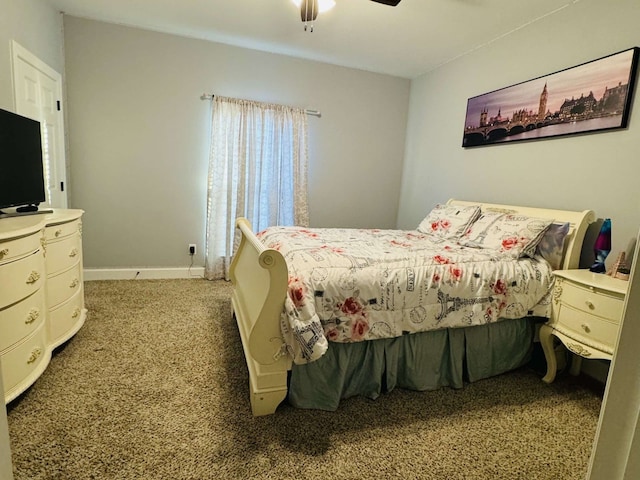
(510, 234)
(449, 221)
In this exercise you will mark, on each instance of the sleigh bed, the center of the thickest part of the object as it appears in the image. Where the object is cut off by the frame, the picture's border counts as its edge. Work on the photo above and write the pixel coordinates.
(322, 317)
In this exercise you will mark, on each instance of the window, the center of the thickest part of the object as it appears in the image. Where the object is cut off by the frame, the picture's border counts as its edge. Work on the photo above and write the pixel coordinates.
(257, 170)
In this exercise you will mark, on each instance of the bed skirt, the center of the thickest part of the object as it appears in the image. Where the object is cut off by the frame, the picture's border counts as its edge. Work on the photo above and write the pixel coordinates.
(420, 361)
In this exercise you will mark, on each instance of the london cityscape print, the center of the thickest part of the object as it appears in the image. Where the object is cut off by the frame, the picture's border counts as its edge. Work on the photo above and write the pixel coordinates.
(594, 96)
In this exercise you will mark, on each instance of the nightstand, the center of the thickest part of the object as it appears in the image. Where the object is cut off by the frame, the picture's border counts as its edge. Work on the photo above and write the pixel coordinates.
(586, 312)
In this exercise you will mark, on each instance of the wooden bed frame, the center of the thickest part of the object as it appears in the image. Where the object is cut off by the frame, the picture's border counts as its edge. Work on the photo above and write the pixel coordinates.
(260, 279)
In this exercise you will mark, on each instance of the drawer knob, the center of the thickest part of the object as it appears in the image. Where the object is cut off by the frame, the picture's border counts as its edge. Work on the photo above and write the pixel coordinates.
(74, 283)
(35, 353)
(58, 233)
(590, 305)
(76, 312)
(33, 277)
(586, 328)
(32, 316)
(73, 253)
(4, 252)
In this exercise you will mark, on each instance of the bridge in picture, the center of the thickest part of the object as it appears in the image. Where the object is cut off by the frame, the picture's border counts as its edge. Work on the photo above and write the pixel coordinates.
(490, 133)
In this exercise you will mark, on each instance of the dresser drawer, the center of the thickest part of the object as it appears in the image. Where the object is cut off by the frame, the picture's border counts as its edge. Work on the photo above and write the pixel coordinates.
(22, 318)
(25, 359)
(13, 249)
(62, 286)
(66, 319)
(61, 230)
(593, 301)
(21, 278)
(590, 329)
(63, 254)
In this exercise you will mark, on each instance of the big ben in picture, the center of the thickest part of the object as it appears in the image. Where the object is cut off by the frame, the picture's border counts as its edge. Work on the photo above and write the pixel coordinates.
(543, 103)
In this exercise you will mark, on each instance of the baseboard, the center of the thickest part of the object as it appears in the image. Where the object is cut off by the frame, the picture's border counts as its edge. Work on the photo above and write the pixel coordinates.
(142, 273)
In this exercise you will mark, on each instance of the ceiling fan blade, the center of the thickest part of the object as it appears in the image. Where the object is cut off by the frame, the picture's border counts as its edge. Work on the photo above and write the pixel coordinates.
(308, 10)
(391, 3)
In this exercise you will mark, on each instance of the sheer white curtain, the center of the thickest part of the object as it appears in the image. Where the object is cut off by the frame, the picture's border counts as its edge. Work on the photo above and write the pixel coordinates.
(257, 170)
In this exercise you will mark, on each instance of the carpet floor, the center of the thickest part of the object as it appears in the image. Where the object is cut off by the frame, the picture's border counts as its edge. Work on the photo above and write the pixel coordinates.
(154, 386)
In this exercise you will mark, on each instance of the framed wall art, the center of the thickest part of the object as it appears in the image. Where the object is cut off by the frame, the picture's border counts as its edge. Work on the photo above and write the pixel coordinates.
(591, 97)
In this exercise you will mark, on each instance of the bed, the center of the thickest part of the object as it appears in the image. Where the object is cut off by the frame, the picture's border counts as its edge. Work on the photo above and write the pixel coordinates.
(413, 329)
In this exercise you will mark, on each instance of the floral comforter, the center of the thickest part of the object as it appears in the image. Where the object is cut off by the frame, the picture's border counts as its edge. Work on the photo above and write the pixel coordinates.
(350, 285)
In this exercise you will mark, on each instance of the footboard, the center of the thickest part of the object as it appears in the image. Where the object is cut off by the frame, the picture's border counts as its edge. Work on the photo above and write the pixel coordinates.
(259, 277)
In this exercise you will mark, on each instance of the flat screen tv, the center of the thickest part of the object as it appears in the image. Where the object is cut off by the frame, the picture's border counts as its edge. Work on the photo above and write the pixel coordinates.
(21, 172)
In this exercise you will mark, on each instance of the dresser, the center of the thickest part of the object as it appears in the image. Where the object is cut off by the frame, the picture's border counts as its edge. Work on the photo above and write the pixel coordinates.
(41, 292)
(64, 286)
(586, 312)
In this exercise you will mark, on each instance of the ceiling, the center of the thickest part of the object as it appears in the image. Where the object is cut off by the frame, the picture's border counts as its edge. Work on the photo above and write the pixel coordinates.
(405, 41)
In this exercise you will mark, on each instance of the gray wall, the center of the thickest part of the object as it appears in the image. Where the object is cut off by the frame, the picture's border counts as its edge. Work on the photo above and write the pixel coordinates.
(37, 27)
(597, 171)
(139, 137)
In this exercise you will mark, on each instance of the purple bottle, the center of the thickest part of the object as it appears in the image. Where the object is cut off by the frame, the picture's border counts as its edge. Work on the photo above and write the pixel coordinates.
(602, 247)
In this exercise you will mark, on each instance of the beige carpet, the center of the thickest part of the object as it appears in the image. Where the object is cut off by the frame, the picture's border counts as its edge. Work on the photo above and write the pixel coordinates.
(154, 386)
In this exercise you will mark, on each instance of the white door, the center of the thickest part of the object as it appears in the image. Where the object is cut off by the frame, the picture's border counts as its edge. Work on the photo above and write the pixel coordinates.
(37, 90)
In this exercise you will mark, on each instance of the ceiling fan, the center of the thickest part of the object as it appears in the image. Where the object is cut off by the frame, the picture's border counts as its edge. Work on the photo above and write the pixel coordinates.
(309, 9)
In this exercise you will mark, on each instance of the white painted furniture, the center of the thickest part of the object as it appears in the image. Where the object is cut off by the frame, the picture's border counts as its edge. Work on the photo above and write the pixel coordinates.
(64, 285)
(587, 308)
(41, 293)
(259, 276)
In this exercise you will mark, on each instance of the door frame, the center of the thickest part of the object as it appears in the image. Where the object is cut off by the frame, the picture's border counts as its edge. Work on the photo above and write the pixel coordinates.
(21, 54)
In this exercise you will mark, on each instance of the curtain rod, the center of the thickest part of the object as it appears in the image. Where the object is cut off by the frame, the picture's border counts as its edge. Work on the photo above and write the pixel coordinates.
(315, 113)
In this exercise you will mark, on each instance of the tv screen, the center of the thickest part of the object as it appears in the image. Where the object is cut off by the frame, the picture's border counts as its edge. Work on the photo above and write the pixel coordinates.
(21, 172)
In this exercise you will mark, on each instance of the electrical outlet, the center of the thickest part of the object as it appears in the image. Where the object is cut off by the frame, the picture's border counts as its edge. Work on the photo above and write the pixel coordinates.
(192, 249)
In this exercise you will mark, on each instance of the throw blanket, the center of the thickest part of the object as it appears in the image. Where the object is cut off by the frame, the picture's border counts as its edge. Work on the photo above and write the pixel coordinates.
(351, 285)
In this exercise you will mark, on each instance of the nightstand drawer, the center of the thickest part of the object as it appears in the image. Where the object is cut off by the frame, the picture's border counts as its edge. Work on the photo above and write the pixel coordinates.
(592, 301)
(593, 331)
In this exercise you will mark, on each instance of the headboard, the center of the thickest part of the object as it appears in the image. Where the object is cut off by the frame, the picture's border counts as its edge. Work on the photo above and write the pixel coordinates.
(579, 222)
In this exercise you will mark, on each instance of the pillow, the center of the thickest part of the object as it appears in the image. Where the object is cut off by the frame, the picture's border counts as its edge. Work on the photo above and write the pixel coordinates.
(482, 224)
(551, 245)
(449, 221)
(506, 233)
